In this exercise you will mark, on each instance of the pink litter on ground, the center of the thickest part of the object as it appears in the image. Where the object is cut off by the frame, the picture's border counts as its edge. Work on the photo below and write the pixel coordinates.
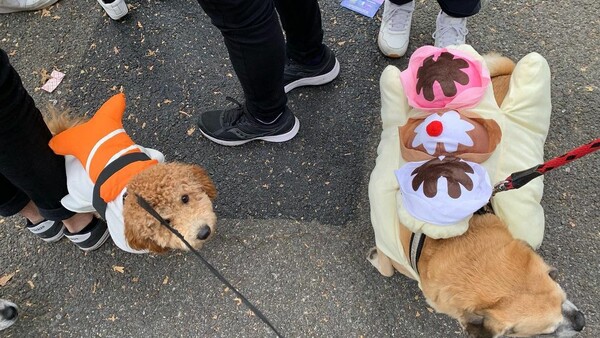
(55, 79)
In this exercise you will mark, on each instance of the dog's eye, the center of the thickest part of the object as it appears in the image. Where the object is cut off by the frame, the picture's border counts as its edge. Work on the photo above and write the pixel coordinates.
(185, 199)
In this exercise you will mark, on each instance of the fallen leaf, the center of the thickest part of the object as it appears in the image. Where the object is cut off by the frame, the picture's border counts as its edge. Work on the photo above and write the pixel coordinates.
(139, 24)
(191, 131)
(238, 301)
(30, 284)
(166, 280)
(418, 314)
(120, 269)
(45, 76)
(4, 279)
(167, 101)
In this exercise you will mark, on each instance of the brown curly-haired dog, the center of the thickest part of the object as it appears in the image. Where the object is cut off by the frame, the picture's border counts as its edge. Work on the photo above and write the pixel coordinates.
(182, 195)
(107, 171)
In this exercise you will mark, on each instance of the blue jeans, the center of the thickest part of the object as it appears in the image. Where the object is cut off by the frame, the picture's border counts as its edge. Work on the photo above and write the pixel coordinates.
(257, 48)
(29, 169)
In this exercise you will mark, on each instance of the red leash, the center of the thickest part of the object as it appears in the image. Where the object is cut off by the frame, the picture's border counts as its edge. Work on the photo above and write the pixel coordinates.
(519, 179)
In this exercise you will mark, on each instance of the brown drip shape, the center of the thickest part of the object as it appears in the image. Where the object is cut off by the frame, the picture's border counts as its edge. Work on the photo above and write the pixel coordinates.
(453, 169)
(445, 70)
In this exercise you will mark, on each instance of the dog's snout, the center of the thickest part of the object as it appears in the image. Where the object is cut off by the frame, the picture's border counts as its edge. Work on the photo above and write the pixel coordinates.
(9, 313)
(204, 232)
(578, 320)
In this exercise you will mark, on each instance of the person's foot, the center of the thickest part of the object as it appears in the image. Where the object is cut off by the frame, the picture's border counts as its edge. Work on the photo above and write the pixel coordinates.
(11, 6)
(450, 30)
(116, 9)
(91, 237)
(49, 231)
(394, 31)
(298, 75)
(235, 126)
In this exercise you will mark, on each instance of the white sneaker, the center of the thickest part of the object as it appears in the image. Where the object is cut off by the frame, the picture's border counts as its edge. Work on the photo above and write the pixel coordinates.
(394, 31)
(450, 30)
(116, 9)
(11, 6)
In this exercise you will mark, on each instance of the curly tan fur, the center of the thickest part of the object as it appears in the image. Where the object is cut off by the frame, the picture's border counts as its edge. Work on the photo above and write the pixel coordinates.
(164, 187)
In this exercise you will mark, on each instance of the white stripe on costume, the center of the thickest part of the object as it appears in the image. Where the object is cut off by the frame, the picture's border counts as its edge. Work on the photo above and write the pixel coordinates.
(98, 145)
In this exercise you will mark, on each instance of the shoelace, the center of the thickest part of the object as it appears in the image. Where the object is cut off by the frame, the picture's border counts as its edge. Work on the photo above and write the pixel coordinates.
(451, 35)
(399, 18)
(233, 115)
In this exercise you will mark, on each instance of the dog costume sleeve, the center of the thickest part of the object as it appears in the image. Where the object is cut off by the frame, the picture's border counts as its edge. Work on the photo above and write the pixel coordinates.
(504, 140)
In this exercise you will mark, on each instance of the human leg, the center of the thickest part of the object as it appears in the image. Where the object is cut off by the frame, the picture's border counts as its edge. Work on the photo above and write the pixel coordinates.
(451, 22)
(309, 61)
(394, 32)
(256, 48)
(26, 161)
(32, 177)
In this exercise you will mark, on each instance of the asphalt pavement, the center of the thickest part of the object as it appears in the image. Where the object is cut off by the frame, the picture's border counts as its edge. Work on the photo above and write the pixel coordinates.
(294, 223)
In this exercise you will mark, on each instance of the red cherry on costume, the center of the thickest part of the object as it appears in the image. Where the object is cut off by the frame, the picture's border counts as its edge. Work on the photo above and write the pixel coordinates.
(434, 128)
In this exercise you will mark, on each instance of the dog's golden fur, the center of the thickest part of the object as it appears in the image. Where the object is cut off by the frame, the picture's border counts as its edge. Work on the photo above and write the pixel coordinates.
(181, 193)
(491, 282)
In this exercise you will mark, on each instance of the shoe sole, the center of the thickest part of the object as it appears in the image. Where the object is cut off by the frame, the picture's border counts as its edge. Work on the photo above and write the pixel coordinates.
(275, 138)
(315, 80)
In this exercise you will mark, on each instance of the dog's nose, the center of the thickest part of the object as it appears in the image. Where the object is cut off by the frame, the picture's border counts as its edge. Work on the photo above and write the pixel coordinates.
(578, 320)
(9, 313)
(204, 232)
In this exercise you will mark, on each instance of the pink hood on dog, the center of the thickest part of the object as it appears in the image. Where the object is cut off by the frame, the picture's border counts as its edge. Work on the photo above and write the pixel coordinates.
(438, 78)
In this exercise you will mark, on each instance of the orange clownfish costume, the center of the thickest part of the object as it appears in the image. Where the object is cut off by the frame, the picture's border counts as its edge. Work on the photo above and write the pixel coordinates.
(100, 160)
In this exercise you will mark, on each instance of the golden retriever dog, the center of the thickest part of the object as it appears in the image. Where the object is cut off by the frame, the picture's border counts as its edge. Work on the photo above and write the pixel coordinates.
(493, 284)
(182, 194)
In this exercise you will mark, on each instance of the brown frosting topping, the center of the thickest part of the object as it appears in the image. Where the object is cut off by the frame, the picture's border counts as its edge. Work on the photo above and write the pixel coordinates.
(453, 169)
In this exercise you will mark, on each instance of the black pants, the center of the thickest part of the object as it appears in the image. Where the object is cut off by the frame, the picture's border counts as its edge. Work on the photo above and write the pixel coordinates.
(455, 8)
(29, 169)
(257, 47)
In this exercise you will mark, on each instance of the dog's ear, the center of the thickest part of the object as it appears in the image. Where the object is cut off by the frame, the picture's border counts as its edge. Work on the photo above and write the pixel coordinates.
(207, 184)
(477, 326)
(138, 242)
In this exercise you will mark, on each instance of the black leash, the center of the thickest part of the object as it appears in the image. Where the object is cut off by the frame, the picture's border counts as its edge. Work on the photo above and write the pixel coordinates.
(146, 206)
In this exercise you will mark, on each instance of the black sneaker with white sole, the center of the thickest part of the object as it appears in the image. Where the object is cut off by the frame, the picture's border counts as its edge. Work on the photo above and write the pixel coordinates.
(49, 231)
(298, 75)
(235, 126)
(91, 237)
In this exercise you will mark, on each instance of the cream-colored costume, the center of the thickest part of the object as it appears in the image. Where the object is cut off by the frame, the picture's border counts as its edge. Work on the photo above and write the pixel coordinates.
(517, 131)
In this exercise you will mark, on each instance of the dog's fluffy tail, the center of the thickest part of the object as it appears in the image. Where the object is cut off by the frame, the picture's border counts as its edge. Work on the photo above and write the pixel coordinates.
(61, 120)
(498, 65)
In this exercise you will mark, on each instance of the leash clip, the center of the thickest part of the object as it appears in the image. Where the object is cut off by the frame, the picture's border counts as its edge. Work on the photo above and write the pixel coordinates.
(500, 187)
